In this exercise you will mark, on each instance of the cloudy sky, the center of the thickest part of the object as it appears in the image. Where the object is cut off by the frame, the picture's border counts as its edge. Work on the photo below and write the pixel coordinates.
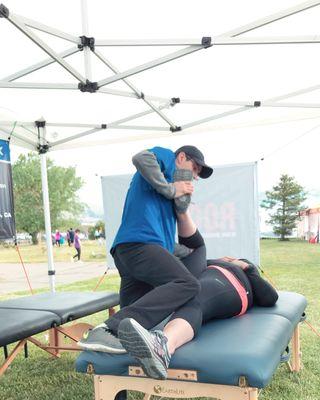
(287, 139)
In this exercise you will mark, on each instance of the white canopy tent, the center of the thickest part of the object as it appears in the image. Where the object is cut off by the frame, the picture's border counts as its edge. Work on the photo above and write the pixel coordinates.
(33, 134)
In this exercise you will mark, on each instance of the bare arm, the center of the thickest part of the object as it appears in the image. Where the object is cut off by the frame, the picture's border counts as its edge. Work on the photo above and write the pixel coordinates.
(186, 226)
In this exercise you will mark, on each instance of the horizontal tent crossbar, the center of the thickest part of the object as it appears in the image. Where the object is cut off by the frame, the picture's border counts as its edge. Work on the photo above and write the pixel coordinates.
(150, 42)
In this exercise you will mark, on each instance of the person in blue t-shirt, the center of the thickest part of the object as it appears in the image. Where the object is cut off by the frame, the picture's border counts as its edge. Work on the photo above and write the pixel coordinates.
(154, 283)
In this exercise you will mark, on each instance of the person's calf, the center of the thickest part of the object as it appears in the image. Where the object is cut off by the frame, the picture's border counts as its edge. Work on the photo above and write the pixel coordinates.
(178, 332)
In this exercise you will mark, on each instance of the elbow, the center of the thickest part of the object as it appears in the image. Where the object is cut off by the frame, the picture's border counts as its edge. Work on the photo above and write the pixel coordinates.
(270, 301)
(274, 299)
(135, 160)
(141, 159)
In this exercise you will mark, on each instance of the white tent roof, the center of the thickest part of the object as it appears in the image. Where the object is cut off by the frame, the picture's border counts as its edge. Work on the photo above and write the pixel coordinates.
(230, 77)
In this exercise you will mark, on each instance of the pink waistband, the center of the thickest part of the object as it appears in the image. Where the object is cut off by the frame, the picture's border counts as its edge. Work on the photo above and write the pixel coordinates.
(237, 285)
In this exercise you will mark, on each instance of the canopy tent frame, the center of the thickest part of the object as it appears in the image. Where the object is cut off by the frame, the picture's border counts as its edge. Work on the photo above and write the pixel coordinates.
(84, 83)
(88, 45)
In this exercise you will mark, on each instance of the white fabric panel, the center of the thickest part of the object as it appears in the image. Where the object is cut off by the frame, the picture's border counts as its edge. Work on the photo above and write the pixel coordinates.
(225, 208)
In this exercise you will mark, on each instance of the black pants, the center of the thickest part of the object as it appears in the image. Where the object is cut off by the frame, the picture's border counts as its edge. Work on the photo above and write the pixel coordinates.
(154, 284)
(78, 253)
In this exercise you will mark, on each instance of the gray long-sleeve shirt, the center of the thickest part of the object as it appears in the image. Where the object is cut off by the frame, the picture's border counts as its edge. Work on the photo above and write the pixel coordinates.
(146, 163)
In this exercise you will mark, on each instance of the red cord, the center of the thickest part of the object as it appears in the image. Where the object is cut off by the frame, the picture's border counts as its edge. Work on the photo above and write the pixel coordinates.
(25, 271)
(312, 328)
(101, 279)
(269, 279)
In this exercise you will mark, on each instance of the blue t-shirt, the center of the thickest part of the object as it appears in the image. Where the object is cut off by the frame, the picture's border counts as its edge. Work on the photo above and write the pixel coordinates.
(148, 217)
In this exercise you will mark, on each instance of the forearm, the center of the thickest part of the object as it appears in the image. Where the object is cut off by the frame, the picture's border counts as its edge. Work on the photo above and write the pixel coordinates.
(147, 164)
(186, 225)
(182, 203)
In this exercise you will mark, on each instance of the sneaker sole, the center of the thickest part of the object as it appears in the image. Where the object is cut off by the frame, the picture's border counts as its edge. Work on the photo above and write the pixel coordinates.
(99, 347)
(133, 339)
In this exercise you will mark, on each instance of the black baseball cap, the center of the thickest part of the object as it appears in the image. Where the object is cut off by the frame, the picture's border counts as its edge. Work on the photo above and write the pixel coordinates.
(197, 156)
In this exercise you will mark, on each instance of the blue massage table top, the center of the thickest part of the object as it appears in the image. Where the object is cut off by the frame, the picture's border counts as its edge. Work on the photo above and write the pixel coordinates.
(289, 305)
(224, 350)
(66, 305)
(21, 324)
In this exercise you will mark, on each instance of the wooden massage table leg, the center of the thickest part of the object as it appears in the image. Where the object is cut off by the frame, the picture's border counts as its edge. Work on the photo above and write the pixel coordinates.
(295, 366)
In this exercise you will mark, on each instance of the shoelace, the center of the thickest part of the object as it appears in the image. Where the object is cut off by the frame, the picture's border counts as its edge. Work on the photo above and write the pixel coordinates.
(160, 342)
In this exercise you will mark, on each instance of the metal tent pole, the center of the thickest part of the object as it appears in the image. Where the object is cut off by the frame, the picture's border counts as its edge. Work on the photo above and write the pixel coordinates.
(43, 148)
(86, 49)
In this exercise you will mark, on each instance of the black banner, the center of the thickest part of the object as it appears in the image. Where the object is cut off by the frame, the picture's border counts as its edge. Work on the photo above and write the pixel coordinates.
(7, 222)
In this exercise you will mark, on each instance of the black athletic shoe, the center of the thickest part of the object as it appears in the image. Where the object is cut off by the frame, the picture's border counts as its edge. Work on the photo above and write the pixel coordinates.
(148, 347)
(102, 339)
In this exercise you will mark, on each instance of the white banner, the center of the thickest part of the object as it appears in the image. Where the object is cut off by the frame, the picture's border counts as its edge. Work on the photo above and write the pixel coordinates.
(225, 209)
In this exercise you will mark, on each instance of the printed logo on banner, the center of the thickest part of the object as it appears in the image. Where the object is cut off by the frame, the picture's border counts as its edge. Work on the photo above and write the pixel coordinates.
(7, 223)
(215, 220)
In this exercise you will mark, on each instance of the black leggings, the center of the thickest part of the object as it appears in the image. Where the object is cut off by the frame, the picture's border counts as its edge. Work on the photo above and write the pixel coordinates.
(78, 253)
(218, 298)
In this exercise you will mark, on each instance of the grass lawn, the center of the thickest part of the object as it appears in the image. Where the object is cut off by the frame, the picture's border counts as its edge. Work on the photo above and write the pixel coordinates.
(90, 251)
(293, 266)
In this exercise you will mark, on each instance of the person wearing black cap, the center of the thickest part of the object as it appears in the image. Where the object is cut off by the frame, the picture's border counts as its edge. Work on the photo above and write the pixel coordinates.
(193, 154)
(154, 283)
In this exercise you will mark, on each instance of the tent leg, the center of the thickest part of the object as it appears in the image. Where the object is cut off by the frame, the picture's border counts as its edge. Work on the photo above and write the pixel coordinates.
(46, 206)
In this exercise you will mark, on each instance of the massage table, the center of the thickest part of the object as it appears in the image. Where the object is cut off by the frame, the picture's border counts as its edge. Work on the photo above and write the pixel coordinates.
(22, 318)
(230, 359)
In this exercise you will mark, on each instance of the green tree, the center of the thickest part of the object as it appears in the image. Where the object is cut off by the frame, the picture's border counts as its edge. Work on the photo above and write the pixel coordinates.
(99, 226)
(63, 186)
(284, 202)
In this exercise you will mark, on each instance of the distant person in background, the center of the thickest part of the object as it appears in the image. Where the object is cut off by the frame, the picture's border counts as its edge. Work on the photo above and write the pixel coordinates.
(96, 234)
(71, 233)
(57, 238)
(77, 244)
(70, 236)
(100, 238)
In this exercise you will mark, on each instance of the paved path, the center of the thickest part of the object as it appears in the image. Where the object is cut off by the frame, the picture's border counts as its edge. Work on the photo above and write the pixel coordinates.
(12, 277)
